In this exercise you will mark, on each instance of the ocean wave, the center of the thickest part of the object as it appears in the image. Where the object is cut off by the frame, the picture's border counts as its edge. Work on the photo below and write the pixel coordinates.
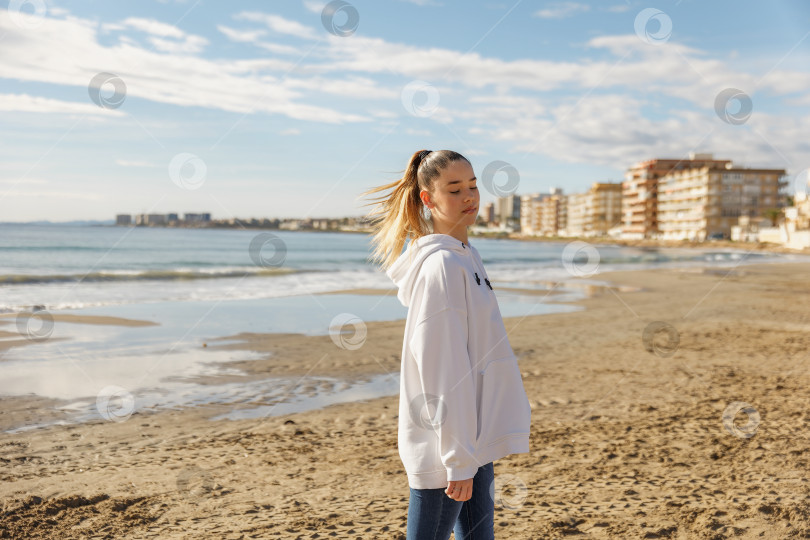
(146, 275)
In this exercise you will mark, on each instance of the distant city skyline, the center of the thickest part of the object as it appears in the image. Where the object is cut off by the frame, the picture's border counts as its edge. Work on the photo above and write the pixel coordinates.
(290, 110)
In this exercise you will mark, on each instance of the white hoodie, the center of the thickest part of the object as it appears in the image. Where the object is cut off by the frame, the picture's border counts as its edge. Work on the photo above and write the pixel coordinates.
(462, 403)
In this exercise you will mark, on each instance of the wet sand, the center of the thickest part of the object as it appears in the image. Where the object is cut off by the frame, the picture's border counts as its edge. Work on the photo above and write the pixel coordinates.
(633, 435)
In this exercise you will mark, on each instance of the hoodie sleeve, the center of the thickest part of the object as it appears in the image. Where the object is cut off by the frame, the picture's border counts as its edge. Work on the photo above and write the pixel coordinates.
(439, 347)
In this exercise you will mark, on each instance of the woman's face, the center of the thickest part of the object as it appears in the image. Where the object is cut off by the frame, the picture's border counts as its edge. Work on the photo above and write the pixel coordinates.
(454, 202)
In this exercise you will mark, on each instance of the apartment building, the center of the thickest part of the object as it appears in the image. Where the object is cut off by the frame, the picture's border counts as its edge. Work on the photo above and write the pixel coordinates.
(508, 211)
(594, 212)
(603, 208)
(487, 213)
(553, 213)
(531, 213)
(575, 214)
(640, 191)
(203, 217)
(705, 201)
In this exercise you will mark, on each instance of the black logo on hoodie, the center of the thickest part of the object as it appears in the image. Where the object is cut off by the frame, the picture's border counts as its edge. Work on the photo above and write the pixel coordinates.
(478, 279)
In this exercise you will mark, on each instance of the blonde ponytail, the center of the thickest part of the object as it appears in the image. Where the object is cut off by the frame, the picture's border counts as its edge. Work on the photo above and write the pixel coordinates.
(400, 214)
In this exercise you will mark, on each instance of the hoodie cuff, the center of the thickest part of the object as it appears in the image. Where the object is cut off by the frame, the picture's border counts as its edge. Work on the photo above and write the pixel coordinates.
(461, 473)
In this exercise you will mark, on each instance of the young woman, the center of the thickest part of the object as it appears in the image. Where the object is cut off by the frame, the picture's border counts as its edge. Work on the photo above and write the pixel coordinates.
(462, 403)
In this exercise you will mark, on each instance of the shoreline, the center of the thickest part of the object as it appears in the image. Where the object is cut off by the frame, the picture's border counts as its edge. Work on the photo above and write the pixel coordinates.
(629, 434)
(284, 351)
(597, 240)
(675, 244)
(227, 284)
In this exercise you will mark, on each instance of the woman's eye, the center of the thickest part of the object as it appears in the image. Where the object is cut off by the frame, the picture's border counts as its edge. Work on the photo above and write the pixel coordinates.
(459, 191)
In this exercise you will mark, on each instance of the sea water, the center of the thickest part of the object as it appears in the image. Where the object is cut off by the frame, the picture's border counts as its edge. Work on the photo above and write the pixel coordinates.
(198, 285)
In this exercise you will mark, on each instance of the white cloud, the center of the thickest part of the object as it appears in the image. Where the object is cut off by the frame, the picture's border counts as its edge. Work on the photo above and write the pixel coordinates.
(314, 6)
(611, 130)
(423, 2)
(279, 49)
(163, 37)
(635, 101)
(125, 163)
(788, 82)
(375, 55)
(27, 180)
(191, 45)
(67, 52)
(560, 10)
(253, 37)
(54, 194)
(278, 24)
(529, 105)
(354, 87)
(379, 113)
(35, 104)
(675, 70)
(244, 36)
(153, 27)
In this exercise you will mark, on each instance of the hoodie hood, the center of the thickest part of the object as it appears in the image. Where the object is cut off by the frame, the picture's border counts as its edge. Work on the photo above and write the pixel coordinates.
(406, 268)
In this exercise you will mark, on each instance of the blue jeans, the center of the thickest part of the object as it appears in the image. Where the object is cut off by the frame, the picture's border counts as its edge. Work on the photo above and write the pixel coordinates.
(432, 515)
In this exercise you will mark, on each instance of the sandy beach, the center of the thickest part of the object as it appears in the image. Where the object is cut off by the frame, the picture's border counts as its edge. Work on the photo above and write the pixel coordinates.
(696, 428)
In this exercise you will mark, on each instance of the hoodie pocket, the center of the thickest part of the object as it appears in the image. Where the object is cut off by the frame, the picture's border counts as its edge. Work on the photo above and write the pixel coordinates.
(504, 405)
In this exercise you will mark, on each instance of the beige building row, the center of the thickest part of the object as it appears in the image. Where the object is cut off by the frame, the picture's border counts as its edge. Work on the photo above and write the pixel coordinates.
(674, 199)
(640, 191)
(530, 213)
(695, 198)
(592, 213)
(705, 202)
(553, 213)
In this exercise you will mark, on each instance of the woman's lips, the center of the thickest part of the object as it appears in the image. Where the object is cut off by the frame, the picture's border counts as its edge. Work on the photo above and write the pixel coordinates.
(471, 210)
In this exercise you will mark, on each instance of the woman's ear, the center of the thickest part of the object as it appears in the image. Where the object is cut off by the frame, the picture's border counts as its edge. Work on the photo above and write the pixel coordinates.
(425, 196)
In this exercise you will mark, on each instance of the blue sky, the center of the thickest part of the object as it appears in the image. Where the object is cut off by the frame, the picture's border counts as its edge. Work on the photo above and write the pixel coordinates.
(255, 109)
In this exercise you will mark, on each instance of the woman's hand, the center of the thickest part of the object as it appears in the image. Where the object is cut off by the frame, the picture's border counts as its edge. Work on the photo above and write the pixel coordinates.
(459, 490)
